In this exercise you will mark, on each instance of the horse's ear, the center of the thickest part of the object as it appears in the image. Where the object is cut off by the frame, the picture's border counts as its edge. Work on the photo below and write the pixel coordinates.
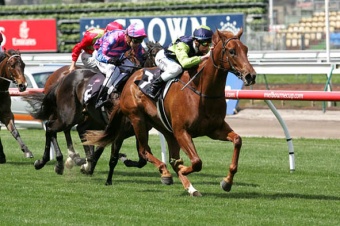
(240, 32)
(217, 36)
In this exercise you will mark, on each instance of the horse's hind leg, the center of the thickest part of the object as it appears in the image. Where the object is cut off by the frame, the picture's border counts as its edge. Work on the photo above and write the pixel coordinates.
(2, 154)
(15, 133)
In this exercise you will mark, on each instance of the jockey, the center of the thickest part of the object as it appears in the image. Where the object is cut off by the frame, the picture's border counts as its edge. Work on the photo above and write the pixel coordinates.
(112, 45)
(90, 37)
(186, 52)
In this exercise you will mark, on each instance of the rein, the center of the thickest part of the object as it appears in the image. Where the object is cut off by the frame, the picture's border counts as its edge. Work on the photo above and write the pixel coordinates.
(186, 85)
(218, 67)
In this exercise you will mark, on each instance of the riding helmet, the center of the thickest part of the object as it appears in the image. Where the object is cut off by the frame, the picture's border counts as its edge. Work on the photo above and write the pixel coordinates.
(136, 30)
(113, 26)
(203, 33)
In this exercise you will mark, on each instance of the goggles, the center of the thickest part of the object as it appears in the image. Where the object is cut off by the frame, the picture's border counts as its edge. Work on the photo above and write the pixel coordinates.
(137, 40)
(205, 43)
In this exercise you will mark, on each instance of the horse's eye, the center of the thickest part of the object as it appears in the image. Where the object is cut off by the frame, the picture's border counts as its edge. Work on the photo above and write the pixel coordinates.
(232, 52)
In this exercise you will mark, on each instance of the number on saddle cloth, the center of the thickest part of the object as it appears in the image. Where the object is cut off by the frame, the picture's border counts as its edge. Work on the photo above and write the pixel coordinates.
(148, 76)
(93, 87)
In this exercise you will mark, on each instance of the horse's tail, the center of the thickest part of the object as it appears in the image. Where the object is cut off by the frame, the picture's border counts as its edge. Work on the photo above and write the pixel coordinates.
(42, 105)
(103, 138)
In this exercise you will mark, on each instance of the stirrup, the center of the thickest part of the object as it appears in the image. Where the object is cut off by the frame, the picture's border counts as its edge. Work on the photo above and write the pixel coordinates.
(99, 104)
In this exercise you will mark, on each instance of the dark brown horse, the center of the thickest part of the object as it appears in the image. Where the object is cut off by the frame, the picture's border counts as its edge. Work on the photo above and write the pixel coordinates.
(63, 107)
(11, 70)
(194, 106)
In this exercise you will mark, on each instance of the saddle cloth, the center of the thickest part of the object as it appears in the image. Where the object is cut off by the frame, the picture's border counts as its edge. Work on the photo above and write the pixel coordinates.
(93, 87)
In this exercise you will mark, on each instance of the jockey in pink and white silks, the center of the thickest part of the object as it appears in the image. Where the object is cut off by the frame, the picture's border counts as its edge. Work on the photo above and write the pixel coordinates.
(112, 45)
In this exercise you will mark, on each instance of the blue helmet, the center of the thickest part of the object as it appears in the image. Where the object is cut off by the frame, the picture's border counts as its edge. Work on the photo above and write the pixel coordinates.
(203, 33)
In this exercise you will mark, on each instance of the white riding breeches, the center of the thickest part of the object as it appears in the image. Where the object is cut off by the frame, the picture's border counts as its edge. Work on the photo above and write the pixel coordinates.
(106, 69)
(170, 67)
(88, 60)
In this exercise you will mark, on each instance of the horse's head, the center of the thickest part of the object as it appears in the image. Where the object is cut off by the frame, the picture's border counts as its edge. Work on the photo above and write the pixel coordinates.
(232, 56)
(13, 69)
(131, 56)
(152, 50)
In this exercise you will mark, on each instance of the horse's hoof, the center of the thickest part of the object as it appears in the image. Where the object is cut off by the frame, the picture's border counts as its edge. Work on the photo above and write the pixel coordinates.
(167, 180)
(2, 160)
(196, 194)
(38, 165)
(28, 154)
(108, 183)
(69, 163)
(226, 186)
(80, 161)
(59, 169)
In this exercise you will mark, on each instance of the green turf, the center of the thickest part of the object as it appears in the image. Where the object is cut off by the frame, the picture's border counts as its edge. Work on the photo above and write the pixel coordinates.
(264, 191)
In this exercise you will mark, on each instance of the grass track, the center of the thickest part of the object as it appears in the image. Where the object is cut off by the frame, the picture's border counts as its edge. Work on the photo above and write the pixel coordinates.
(264, 191)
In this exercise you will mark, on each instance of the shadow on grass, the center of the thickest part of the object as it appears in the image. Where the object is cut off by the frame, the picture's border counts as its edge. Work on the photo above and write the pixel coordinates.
(19, 163)
(256, 195)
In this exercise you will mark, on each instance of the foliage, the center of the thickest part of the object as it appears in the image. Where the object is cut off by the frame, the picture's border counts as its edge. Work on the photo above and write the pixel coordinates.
(264, 192)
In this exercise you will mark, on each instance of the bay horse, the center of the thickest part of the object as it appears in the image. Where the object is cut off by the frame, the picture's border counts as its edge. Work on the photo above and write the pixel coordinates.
(11, 70)
(62, 106)
(194, 106)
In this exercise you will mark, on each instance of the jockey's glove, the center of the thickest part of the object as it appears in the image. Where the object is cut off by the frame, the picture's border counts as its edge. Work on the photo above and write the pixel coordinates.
(114, 60)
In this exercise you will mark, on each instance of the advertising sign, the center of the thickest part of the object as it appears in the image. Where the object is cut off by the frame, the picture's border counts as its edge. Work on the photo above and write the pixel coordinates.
(165, 29)
(29, 35)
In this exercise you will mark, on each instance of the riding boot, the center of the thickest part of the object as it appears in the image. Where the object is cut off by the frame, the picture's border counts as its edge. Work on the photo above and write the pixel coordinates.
(102, 96)
(156, 84)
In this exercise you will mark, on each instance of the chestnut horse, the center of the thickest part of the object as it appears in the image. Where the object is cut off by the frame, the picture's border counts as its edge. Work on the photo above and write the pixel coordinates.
(11, 70)
(194, 106)
(62, 106)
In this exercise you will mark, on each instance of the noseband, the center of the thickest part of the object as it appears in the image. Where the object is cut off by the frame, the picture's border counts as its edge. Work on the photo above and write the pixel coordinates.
(220, 66)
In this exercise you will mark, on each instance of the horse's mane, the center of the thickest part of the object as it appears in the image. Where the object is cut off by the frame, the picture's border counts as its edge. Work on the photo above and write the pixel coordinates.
(151, 44)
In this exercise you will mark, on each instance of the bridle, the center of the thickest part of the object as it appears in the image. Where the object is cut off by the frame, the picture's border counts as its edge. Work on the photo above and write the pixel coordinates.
(218, 67)
(151, 56)
(224, 52)
(12, 79)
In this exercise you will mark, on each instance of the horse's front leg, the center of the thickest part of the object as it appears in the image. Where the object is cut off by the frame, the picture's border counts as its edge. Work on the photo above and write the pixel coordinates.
(178, 164)
(15, 133)
(59, 166)
(73, 157)
(115, 148)
(38, 164)
(227, 182)
(227, 134)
